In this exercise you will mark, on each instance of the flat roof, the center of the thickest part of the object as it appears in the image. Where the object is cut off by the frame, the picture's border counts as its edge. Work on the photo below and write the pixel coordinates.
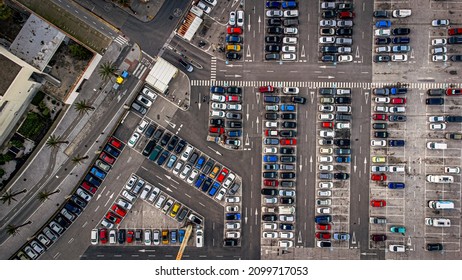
(8, 72)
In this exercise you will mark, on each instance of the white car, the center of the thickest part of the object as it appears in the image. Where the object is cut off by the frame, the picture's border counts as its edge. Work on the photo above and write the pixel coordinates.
(440, 22)
(271, 150)
(240, 18)
(185, 172)
(234, 208)
(290, 13)
(199, 238)
(397, 109)
(325, 158)
(383, 49)
(326, 108)
(325, 185)
(397, 248)
(452, 170)
(290, 31)
(324, 202)
(229, 180)
(326, 133)
(344, 23)
(382, 100)
(133, 140)
(396, 168)
(85, 196)
(142, 126)
(439, 57)
(221, 194)
(274, 13)
(286, 193)
(220, 114)
(272, 226)
(326, 117)
(381, 109)
(437, 126)
(382, 32)
(233, 225)
(289, 56)
(345, 58)
(218, 98)
(324, 193)
(211, 2)
(270, 200)
(218, 106)
(291, 90)
(402, 13)
(436, 119)
(439, 50)
(270, 234)
(143, 100)
(232, 18)
(290, 40)
(327, 40)
(204, 7)
(378, 143)
(286, 218)
(271, 124)
(234, 107)
(343, 125)
(289, 49)
(329, 167)
(399, 57)
(379, 168)
(325, 151)
(327, 23)
(124, 204)
(328, 5)
(149, 93)
(323, 210)
(286, 234)
(192, 176)
(344, 50)
(439, 42)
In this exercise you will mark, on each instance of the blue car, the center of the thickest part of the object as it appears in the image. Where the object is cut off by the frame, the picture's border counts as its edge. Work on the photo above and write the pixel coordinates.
(289, 4)
(341, 236)
(72, 208)
(383, 24)
(393, 185)
(199, 181)
(181, 234)
(287, 107)
(200, 163)
(93, 180)
(323, 219)
(395, 91)
(234, 133)
(233, 39)
(112, 151)
(270, 158)
(213, 190)
(207, 184)
(173, 236)
(233, 216)
(396, 143)
(273, 4)
(343, 159)
(98, 173)
(217, 90)
(163, 157)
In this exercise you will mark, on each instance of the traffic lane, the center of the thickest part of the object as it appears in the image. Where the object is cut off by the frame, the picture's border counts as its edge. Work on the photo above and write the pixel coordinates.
(309, 31)
(362, 32)
(198, 57)
(254, 31)
(110, 13)
(76, 238)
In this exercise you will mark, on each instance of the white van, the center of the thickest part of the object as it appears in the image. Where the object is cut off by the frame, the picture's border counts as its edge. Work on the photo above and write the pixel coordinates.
(437, 146)
(94, 236)
(441, 204)
(440, 179)
(438, 222)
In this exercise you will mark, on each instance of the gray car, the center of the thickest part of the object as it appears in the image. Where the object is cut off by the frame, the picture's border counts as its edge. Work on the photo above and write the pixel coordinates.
(344, 41)
(271, 141)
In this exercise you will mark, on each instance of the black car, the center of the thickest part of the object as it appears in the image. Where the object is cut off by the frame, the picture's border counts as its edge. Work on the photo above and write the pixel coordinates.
(327, 91)
(180, 147)
(150, 130)
(329, 49)
(289, 124)
(401, 40)
(288, 116)
(208, 166)
(121, 236)
(344, 32)
(112, 151)
(62, 221)
(229, 242)
(285, 159)
(329, 14)
(456, 58)
(287, 151)
(217, 122)
(382, 58)
(234, 90)
(288, 133)
(148, 149)
(273, 48)
(381, 134)
(436, 91)
(172, 143)
(270, 175)
(234, 124)
(271, 116)
(326, 31)
(397, 118)
(163, 157)
(454, 118)
(401, 31)
(380, 14)
(342, 142)
(434, 101)
(341, 176)
(274, 30)
(266, 191)
(396, 143)
(269, 217)
(208, 182)
(72, 207)
(379, 126)
(455, 40)
(382, 40)
(272, 56)
(286, 200)
(157, 134)
(274, 22)
(328, 58)
(286, 226)
(165, 139)
(325, 141)
(273, 39)
(434, 247)
(287, 175)
(343, 100)
(298, 99)
(233, 56)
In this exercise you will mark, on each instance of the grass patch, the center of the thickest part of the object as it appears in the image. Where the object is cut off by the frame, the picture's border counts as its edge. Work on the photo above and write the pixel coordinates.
(32, 126)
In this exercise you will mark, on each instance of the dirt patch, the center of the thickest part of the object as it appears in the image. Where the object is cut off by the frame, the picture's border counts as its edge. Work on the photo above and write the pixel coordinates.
(10, 27)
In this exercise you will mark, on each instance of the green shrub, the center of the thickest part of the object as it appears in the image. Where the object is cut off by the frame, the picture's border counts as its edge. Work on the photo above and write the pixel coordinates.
(32, 126)
(4, 158)
(2, 172)
(42, 105)
(38, 98)
(79, 52)
(46, 112)
(17, 143)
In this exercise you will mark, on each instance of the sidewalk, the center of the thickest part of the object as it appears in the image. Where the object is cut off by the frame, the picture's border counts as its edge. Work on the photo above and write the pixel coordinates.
(50, 164)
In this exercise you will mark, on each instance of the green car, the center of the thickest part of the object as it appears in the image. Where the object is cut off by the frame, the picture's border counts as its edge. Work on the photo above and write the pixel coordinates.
(401, 230)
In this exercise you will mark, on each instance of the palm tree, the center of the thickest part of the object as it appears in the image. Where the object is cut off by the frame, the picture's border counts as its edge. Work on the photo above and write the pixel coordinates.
(8, 196)
(44, 195)
(78, 159)
(82, 107)
(12, 230)
(107, 70)
(55, 141)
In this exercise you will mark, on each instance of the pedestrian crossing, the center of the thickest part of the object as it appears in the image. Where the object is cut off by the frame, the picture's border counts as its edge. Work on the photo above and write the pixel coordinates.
(213, 69)
(121, 40)
(304, 84)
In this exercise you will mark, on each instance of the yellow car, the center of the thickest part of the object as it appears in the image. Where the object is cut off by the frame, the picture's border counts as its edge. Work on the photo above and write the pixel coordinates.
(214, 172)
(176, 207)
(233, 48)
(165, 236)
(379, 159)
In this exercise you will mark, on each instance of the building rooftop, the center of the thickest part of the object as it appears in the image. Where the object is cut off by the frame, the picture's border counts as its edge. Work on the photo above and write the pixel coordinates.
(8, 72)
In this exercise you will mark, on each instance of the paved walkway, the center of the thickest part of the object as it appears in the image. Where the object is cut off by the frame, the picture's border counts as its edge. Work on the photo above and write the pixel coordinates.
(52, 169)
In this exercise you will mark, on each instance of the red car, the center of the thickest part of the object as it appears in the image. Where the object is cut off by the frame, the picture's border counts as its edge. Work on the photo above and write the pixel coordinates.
(107, 158)
(271, 132)
(288, 141)
(233, 98)
(323, 227)
(378, 177)
(345, 15)
(89, 187)
(323, 235)
(214, 129)
(378, 203)
(266, 89)
(119, 211)
(116, 143)
(103, 235)
(222, 175)
(379, 117)
(113, 218)
(270, 183)
(454, 91)
(130, 235)
(234, 30)
(327, 124)
(454, 31)
(398, 100)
